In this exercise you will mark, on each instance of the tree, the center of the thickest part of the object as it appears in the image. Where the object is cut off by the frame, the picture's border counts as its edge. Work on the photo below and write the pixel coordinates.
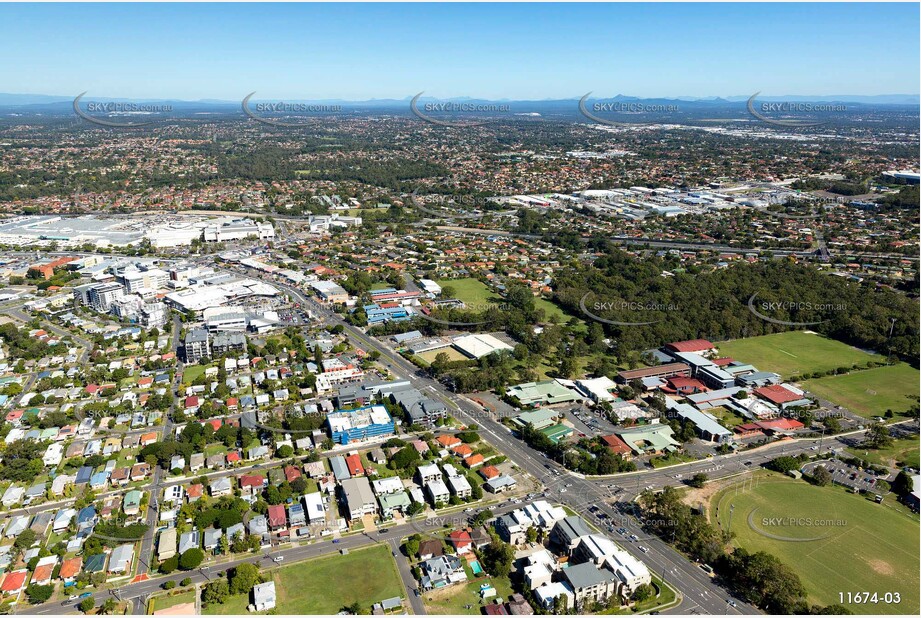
(783, 464)
(87, 604)
(39, 594)
(643, 592)
(186, 581)
(698, 480)
(412, 545)
(215, 591)
(497, 558)
(191, 559)
(169, 585)
(108, 606)
(169, 565)
(821, 476)
(762, 579)
(284, 451)
(877, 436)
(902, 485)
(243, 578)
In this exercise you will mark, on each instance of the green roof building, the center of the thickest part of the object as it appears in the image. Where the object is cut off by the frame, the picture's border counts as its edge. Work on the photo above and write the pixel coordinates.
(538, 419)
(656, 438)
(542, 393)
(557, 432)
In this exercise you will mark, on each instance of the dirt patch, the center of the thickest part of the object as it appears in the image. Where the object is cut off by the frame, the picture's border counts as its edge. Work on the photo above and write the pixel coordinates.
(882, 567)
(448, 592)
(694, 497)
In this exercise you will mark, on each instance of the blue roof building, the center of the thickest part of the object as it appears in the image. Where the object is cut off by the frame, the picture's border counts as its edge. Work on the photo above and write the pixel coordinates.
(360, 424)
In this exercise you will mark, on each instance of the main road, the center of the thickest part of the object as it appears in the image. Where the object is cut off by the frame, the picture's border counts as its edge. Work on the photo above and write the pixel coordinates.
(699, 590)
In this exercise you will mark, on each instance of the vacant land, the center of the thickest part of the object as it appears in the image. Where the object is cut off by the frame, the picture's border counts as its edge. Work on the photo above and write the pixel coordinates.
(453, 355)
(901, 453)
(465, 598)
(835, 541)
(190, 374)
(870, 392)
(472, 292)
(795, 353)
(727, 418)
(327, 585)
(166, 601)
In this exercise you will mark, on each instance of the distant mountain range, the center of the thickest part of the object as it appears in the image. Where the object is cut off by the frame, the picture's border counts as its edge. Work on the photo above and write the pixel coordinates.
(28, 100)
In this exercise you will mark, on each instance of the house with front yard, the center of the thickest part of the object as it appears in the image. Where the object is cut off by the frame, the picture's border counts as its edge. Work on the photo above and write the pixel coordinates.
(357, 498)
(220, 487)
(441, 571)
(120, 559)
(166, 545)
(438, 493)
(393, 502)
(264, 596)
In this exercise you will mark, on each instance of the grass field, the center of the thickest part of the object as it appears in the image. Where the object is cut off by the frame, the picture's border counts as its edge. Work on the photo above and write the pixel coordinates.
(870, 392)
(794, 353)
(327, 585)
(858, 545)
(901, 453)
(465, 598)
(166, 601)
(191, 373)
(453, 355)
(473, 292)
(727, 418)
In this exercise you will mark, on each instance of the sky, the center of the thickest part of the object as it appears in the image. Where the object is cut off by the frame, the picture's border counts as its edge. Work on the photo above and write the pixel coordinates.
(492, 51)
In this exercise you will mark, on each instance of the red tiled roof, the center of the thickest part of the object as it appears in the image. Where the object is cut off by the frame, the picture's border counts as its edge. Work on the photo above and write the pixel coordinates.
(354, 464)
(291, 473)
(780, 424)
(777, 394)
(462, 450)
(42, 572)
(277, 516)
(474, 460)
(14, 581)
(71, 567)
(460, 538)
(250, 480)
(692, 345)
(617, 446)
(448, 441)
(490, 472)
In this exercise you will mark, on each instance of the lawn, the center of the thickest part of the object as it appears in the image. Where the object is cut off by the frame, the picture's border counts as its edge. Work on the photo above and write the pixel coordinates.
(870, 392)
(552, 309)
(727, 418)
(793, 353)
(164, 601)
(472, 292)
(327, 585)
(664, 599)
(191, 373)
(453, 355)
(900, 454)
(671, 460)
(835, 541)
(456, 599)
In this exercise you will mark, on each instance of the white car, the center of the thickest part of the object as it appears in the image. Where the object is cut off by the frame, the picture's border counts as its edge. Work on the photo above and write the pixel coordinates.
(645, 550)
(278, 558)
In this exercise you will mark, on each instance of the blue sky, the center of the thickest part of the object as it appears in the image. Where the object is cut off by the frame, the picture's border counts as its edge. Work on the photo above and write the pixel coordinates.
(517, 51)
